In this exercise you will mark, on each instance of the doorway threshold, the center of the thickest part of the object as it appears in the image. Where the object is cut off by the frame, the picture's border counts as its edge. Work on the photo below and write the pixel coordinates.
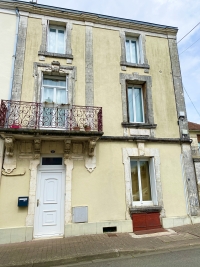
(47, 237)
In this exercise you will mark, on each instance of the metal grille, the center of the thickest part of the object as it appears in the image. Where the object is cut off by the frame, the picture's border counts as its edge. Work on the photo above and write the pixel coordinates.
(30, 115)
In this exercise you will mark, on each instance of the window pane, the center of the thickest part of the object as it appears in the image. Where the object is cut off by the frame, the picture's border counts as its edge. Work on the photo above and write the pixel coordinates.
(52, 40)
(60, 96)
(54, 83)
(138, 104)
(61, 41)
(48, 94)
(61, 118)
(135, 184)
(61, 83)
(145, 180)
(47, 117)
(51, 161)
(128, 56)
(130, 105)
(49, 82)
(133, 52)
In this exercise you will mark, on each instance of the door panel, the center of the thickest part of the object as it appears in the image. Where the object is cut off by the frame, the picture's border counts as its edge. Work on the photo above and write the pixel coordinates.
(49, 216)
(50, 191)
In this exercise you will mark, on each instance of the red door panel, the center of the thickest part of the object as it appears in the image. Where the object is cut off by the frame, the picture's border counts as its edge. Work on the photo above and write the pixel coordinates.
(146, 221)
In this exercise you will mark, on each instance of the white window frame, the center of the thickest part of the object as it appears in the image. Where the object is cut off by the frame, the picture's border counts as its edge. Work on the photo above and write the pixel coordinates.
(54, 96)
(154, 201)
(54, 105)
(134, 105)
(48, 38)
(136, 40)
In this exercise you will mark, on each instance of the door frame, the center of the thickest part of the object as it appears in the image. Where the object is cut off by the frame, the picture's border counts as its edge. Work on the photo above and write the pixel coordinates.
(47, 168)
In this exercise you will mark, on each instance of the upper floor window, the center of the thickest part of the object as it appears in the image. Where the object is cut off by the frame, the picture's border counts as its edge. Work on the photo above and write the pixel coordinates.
(56, 39)
(135, 104)
(132, 50)
(54, 90)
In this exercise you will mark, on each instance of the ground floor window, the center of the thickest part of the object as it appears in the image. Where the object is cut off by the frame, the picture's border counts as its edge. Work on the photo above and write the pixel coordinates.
(143, 182)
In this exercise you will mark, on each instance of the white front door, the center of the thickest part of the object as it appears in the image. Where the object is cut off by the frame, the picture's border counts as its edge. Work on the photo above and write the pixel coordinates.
(49, 215)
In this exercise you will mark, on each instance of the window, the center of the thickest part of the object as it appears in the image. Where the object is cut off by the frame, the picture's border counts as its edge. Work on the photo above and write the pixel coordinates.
(54, 90)
(198, 139)
(54, 95)
(51, 161)
(135, 104)
(56, 39)
(132, 50)
(143, 182)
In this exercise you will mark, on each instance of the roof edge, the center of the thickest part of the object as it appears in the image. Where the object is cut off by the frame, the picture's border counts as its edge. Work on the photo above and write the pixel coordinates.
(85, 16)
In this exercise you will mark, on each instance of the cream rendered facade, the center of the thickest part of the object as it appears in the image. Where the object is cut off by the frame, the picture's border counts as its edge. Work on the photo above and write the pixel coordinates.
(96, 164)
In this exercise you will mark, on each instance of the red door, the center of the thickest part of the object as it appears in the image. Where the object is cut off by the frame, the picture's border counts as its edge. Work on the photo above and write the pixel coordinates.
(146, 221)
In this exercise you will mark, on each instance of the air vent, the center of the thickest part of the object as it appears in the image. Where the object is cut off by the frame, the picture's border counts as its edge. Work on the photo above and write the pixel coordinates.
(109, 229)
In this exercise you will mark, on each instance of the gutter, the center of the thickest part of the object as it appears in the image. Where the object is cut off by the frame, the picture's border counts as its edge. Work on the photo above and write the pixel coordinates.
(14, 52)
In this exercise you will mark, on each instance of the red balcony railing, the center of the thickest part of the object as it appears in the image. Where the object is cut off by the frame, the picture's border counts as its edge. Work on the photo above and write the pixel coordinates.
(30, 115)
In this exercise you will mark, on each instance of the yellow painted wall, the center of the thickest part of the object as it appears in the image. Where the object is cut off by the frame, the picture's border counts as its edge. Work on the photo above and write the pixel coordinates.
(33, 42)
(103, 190)
(78, 51)
(11, 188)
(164, 106)
(171, 179)
(107, 89)
(7, 33)
(106, 63)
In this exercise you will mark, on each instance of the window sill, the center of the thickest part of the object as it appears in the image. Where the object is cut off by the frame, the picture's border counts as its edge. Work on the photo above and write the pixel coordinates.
(134, 65)
(139, 125)
(147, 209)
(48, 54)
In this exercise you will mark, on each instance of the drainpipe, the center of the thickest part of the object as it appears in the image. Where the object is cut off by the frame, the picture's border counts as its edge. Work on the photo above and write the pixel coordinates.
(14, 52)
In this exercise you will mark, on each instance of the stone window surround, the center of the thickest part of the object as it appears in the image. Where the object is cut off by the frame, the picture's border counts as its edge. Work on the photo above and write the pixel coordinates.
(40, 69)
(141, 39)
(141, 152)
(43, 47)
(135, 78)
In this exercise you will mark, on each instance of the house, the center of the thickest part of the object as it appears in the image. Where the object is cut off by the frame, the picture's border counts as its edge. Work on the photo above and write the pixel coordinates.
(91, 138)
(194, 130)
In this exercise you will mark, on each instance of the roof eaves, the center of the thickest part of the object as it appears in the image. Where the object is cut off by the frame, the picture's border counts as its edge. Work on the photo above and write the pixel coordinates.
(93, 15)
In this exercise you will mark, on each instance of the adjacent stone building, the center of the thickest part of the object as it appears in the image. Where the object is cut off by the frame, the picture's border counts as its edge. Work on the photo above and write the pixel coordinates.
(194, 130)
(92, 142)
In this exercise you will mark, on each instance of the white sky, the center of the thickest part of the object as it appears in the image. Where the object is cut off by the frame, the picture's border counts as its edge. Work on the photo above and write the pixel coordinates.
(183, 14)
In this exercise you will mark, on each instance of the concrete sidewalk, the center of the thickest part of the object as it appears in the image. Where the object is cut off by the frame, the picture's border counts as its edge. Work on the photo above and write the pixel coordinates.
(52, 252)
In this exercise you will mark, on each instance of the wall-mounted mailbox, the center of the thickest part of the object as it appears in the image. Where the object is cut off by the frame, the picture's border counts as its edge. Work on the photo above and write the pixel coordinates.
(22, 201)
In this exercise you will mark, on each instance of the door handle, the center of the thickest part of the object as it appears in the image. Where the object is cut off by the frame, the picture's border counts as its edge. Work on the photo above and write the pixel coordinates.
(38, 202)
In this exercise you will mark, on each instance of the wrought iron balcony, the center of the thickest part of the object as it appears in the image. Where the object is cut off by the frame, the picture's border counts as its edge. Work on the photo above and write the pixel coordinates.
(195, 151)
(30, 115)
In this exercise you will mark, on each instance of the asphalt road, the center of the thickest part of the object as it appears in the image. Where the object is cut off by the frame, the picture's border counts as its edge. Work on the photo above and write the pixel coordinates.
(182, 258)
